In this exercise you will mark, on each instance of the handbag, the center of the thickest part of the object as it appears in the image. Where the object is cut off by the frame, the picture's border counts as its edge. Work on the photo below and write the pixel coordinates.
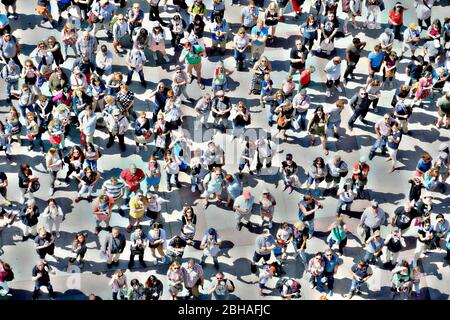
(282, 120)
(390, 73)
(326, 46)
(35, 186)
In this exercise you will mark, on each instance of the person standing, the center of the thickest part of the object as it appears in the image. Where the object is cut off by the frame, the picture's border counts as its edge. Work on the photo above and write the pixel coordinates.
(372, 219)
(264, 244)
(87, 178)
(316, 267)
(117, 125)
(306, 211)
(394, 243)
(135, 61)
(53, 216)
(41, 278)
(138, 245)
(4, 188)
(267, 205)
(374, 247)
(424, 240)
(45, 244)
(333, 73)
(29, 215)
(11, 73)
(113, 246)
(132, 177)
(259, 35)
(211, 247)
(138, 206)
(102, 209)
(192, 56)
(242, 207)
(193, 277)
(221, 287)
(157, 242)
(331, 268)
(115, 188)
(360, 106)
(338, 235)
(361, 272)
(383, 129)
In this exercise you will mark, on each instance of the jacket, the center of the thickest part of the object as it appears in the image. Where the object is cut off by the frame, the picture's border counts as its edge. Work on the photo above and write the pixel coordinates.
(113, 245)
(122, 123)
(28, 220)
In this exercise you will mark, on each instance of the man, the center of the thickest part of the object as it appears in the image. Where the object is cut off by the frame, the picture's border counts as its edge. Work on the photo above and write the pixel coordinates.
(113, 246)
(45, 244)
(394, 243)
(117, 125)
(414, 70)
(264, 244)
(329, 27)
(135, 61)
(221, 287)
(135, 16)
(219, 35)
(214, 156)
(41, 278)
(243, 206)
(221, 110)
(386, 40)
(440, 228)
(333, 74)
(10, 48)
(42, 8)
(213, 184)
(119, 31)
(192, 56)
(306, 211)
(11, 74)
(86, 45)
(193, 277)
(103, 12)
(433, 51)
(298, 56)
(29, 214)
(138, 244)
(361, 272)
(360, 106)
(411, 38)
(249, 16)
(337, 169)
(372, 219)
(376, 58)
(179, 83)
(4, 188)
(352, 55)
(103, 62)
(115, 188)
(301, 103)
(331, 268)
(159, 102)
(259, 36)
(132, 177)
(265, 151)
(88, 123)
(383, 128)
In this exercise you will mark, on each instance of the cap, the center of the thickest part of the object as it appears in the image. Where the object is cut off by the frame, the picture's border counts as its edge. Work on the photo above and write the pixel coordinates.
(442, 146)
(374, 203)
(362, 159)
(11, 63)
(266, 232)
(289, 156)
(156, 24)
(428, 194)
(104, 48)
(116, 112)
(184, 41)
(388, 30)
(178, 68)
(265, 190)
(413, 25)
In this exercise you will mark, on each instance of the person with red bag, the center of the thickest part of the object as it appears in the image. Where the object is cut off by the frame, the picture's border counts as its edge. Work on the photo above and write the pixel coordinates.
(34, 133)
(6, 274)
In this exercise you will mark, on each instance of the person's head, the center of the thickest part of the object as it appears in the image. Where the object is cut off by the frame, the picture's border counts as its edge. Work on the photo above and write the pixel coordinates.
(318, 257)
(151, 281)
(51, 203)
(135, 284)
(337, 60)
(40, 264)
(340, 103)
(319, 112)
(337, 160)
(247, 194)
(318, 162)
(310, 19)
(30, 116)
(374, 205)
(387, 118)
(251, 4)
(42, 45)
(7, 35)
(188, 211)
(119, 274)
(139, 230)
(307, 198)
(52, 151)
(80, 237)
(266, 234)
(191, 263)
(132, 168)
(42, 232)
(377, 235)
(263, 60)
(170, 94)
(395, 127)
(299, 225)
(25, 87)
(175, 266)
(260, 24)
(362, 93)
(426, 157)
(86, 35)
(212, 233)
(289, 158)
(377, 48)
(356, 41)
(156, 226)
(330, 15)
(220, 94)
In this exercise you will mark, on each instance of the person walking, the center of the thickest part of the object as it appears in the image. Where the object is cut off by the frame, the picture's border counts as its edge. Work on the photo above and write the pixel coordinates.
(372, 219)
(242, 207)
(361, 272)
(211, 247)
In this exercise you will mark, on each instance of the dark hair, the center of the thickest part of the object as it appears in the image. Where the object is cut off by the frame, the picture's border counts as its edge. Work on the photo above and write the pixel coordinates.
(134, 282)
(151, 281)
(289, 156)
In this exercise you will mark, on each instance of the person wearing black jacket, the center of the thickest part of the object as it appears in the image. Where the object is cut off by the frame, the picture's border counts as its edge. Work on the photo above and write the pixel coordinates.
(153, 288)
(29, 215)
(26, 179)
(360, 105)
(113, 246)
(221, 109)
(45, 244)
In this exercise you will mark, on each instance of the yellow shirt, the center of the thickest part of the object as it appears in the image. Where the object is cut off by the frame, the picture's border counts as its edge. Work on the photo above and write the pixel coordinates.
(137, 208)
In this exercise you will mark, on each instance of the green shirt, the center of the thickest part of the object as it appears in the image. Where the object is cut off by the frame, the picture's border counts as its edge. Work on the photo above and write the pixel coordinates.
(190, 58)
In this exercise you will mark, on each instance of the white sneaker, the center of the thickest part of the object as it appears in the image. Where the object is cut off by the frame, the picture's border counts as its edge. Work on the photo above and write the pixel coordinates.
(166, 58)
(328, 93)
(192, 188)
(138, 149)
(124, 207)
(270, 225)
(339, 89)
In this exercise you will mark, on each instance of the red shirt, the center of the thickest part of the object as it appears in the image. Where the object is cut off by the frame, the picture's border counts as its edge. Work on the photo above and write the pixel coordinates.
(133, 181)
(305, 77)
(396, 17)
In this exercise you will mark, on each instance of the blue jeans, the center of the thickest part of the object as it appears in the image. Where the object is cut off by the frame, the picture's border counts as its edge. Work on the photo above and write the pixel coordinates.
(379, 144)
(301, 120)
(24, 108)
(356, 285)
(317, 280)
(92, 164)
(169, 176)
(269, 116)
(330, 279)
(217, 87)
(38, 141)
(348, 206)
(239, 56)
(130, 76)
(126, 196)
(11, 85)
(237, 130)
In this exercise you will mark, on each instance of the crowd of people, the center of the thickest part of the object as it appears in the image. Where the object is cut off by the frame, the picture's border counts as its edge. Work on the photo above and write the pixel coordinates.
(67, 91)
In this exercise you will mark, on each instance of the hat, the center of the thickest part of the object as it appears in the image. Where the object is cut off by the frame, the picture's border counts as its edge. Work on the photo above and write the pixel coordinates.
(116, 112)
(104, 48)
(374, 203)
(266, 232)
(156, 24)
(442, 146)
(388, 30)
(413, 26)
(289, 156)
(363, 159)
(265, 190)
(184, 41)
(419, 58)
(303, 91)
(178, 68)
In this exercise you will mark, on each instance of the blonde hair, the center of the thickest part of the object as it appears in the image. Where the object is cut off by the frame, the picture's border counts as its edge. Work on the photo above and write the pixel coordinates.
(173, 265)
(110, 100)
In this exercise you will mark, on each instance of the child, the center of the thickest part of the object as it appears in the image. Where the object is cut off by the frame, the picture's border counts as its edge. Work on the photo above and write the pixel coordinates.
(266, 90)
(417, 275)
(265, 274)
(288, 87)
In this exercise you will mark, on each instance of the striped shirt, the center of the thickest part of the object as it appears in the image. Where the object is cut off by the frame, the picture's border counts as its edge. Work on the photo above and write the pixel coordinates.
(114, 191)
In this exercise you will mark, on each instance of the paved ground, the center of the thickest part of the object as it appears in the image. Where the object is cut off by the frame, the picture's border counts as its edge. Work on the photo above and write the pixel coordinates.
(389, 189)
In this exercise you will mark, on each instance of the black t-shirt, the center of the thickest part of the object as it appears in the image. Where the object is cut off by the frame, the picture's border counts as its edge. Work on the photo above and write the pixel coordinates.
(42, 241)
(289, 169)
(298, 54)
(193, 220)
(354, 53)
(308, 207)
(424, 233)
(198, 29)
(415, 71)
(329, 26)
(404, 218)
(23, 179)
(394, 244)
(45, 276)
(239, 120)
(3, 178)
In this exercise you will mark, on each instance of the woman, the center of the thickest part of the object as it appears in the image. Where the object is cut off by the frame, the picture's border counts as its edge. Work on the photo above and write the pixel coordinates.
(390, 68)
(316, 174)
(172, 167)
(97, 90)
(346, 196)
(138, 205)
(318, 126)
(261, 68)
(113, 83)
(308, 31)
(13, 126)
(162, 135)
(80, 101)
(27, 182)
(241, 118)
(91, 156)
(188, 223)
(53, 216)
(338, 234)
(54, 164)
(424, 164)
(102, 209)
(87, 178)
(211, 247)
(402, 280)
(69, 38)
(423, 10)
(285, 115)
(267, 205)
(153, 288)
(33, 132)
(173, 113)
(136, 290)
(43, 58)
(125, 101)
(55, 48)
(119, 285)
(177, 27)
(157, 242)
(153, 175)
(393, 144)
(31, 74)
(195, 32)
(142, 132)
(75, 160)
(271, 18)
(283, 238)
(424, 87)
(435, 30)
(157, 42)
(220, 81)
(373, 90)
(175, 279)
(79, 249)
(299, 239)
(241, 41)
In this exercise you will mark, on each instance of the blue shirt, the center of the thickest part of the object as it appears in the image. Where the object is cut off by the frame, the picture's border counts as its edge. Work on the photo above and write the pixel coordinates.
(423, 166)
(234, 189)
(376, 59)
(330, 264)
(264, 84)
(262, 33)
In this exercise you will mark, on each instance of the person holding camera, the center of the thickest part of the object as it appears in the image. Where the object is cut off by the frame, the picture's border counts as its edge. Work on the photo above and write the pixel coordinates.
(135, 61)
(221, 287)
(193, 277)
(41, 278)
(29, 215)
(175, 249)
(211, 247)
(259, 34)
(157, 242)
(219, 34)
(79, 249)
(372, 219)
(360, 172)
(346, 196)
(138, 244)
(102, 13)
(307, 210)
(153, 288)
(45, 244)
(117, 124)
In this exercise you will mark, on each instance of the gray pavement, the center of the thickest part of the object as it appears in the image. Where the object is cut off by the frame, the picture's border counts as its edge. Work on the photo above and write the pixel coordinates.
(389, 189)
